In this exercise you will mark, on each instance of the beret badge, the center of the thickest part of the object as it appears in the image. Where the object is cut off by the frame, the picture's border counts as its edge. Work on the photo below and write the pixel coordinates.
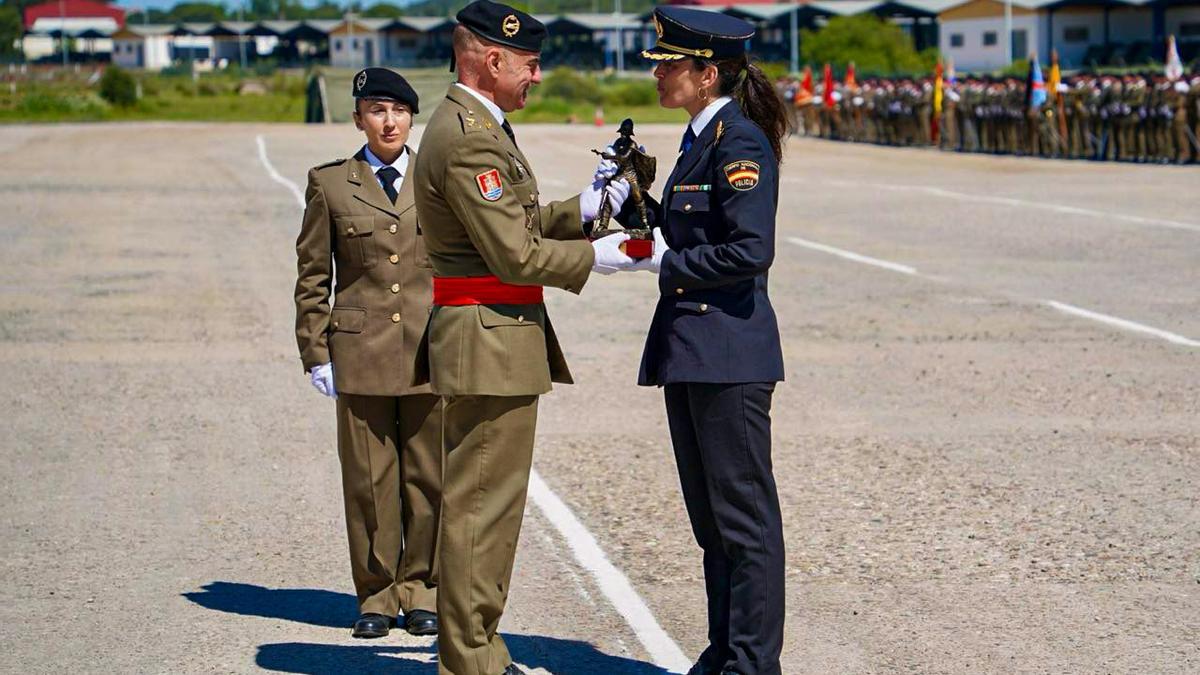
(511, 25)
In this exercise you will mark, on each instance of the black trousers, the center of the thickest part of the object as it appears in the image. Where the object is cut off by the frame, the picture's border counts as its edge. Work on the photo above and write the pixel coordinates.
(722, 439)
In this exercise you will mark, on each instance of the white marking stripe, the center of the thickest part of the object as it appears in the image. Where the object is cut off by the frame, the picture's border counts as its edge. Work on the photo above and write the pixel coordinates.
(1010, 201)
(850, 255)
(275, 176)
(1122, 323)
(1060, 306)
(615, 585)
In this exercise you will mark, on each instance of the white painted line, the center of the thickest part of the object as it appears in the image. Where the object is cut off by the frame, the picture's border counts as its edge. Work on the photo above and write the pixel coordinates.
(275, 176)
(856, 257)
(1010, 201)
(613, 583)
(1124, 324)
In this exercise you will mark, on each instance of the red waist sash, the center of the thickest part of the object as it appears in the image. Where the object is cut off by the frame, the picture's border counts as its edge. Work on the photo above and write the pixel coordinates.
(454, 291)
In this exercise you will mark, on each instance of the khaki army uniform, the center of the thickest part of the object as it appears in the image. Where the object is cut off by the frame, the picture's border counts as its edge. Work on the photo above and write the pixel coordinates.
(478, 203)
(355, 241)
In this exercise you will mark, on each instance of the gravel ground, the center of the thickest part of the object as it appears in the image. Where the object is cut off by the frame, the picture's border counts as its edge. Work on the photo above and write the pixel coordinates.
(971, 480)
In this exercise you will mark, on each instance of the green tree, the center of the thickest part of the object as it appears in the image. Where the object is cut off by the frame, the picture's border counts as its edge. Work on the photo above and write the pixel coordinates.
(10, 31)
(874, 45)
(383, 10)
(118, 87)
(198, 12)
(325, 10)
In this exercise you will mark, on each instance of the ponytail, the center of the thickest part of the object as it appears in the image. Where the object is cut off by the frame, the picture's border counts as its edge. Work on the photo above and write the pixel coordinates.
(749, 85)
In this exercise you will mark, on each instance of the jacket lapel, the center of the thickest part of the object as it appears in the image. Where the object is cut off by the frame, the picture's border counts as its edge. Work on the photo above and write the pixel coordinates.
(476, 111)
(405, 199)
(366, 186)
(688, 160)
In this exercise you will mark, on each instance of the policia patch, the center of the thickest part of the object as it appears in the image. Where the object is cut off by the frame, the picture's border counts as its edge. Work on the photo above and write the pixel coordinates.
(742, 174)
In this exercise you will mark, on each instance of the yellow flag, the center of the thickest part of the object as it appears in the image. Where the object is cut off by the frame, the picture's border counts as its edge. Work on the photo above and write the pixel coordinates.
(937, 89)
(1055, 75)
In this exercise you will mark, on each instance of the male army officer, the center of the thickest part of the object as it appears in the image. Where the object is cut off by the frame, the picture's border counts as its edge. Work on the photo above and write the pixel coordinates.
(490, 347)
(361, 351)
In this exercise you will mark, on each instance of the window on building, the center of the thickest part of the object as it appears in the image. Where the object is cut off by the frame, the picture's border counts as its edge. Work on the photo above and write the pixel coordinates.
(1191, 29)
(956, 39)
(354, 44)
(990, 39)
(337, 45)
(1075, 34)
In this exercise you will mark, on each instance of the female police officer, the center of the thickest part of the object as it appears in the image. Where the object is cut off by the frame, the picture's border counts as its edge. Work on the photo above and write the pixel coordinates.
(714, 343)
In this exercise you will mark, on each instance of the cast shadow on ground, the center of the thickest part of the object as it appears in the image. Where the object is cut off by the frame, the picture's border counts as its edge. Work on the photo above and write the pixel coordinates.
(338, 610)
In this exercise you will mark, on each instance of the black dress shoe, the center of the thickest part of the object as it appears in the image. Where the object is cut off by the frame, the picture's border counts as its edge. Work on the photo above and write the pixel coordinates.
(512, 669)
(371, 626)
(420, 622)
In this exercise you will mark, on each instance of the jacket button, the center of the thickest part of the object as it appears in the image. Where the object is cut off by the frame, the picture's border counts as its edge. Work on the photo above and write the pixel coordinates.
(678, 291)
(335, 324)
(521, 318)
(532, 198)
(395, 288)
(392, 229)
(687, 207)
(703, 307)
(396, 318)
(350, 230)
(393, 258)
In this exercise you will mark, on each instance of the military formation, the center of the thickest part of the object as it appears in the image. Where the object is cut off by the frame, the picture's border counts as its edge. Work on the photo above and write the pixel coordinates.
(1131, 118)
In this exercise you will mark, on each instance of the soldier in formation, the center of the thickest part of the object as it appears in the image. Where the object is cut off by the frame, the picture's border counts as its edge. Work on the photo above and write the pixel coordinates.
(1132, 118)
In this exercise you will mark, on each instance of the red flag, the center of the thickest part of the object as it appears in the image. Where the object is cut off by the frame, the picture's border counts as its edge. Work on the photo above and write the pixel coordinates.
(828, 86)
(807, 84)
(851, 82)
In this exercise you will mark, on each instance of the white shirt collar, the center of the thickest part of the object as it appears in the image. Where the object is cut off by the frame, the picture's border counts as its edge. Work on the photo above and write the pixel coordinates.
(702, 118)
(401, 163)
(491, 107)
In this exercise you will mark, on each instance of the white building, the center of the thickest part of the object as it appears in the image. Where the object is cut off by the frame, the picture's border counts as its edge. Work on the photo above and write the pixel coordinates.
(358, 43)
(146, 47)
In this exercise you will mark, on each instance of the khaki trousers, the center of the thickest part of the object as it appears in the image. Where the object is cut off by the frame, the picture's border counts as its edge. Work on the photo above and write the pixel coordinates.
(488, 442)
(390, 450)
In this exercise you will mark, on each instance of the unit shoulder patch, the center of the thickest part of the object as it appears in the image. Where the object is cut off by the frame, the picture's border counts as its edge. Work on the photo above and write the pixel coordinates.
(742, 174)
(490, 187)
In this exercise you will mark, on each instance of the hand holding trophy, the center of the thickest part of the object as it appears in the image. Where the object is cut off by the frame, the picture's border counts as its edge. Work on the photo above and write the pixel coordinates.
(637, 168)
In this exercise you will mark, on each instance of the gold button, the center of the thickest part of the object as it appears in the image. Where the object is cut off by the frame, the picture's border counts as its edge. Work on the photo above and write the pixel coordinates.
(395, 288)
(703, 307)
(532, 198)
(678, 291)
(335, 324)
(396, 318)
(687, 207)
(393, 258)
(521, 318)
(392, 229)
(350, 230)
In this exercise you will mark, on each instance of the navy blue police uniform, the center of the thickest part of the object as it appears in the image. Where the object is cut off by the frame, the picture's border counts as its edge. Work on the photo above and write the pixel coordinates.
(713, 345)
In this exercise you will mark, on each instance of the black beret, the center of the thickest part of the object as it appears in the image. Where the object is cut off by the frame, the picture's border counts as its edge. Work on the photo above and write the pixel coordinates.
(698, 33)
(384, 84)
(503, 25)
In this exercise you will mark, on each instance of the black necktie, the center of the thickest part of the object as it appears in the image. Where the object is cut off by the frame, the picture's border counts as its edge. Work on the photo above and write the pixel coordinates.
(387, 176)
(689, 137)
(508, 130)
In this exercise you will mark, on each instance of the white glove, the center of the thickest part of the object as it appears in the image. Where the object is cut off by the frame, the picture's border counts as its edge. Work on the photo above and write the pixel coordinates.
(589, 200)
(654, 262)
(609, 257)
(606, 168)
(322, 379)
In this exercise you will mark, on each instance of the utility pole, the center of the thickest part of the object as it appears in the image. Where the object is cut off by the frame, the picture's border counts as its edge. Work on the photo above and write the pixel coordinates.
(620, 36)
(241, 36)
(1008, 29)
(350, 40)
(793, 25)
(62, 29)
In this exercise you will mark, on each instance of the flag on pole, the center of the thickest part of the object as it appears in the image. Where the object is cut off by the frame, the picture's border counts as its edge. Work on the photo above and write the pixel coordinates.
(1174, 68)
(828, 96)
(1055, 76)
(804, 94)
(934, 126)
(851, 82)
(1035, 86)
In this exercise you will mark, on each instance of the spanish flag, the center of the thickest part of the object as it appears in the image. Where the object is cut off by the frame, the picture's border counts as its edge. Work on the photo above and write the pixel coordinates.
(851, 83)
(1055, 76)
(934, 126)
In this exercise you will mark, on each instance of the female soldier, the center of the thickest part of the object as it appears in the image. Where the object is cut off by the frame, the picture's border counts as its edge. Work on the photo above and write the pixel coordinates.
(714, 342)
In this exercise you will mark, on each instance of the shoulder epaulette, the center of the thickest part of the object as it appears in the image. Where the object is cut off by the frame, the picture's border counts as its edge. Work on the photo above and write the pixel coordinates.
(471, 123)
(337, 162)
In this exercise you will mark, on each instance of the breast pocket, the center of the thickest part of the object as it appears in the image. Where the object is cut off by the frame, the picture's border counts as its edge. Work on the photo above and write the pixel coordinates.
(356, 247)
(527, 194)
(689, 204)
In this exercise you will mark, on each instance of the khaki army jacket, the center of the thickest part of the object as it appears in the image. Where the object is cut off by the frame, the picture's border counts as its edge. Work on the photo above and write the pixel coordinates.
(477, 199)
(364, 286)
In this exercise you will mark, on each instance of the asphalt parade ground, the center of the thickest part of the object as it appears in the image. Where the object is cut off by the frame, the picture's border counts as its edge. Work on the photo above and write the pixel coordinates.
(987, 446)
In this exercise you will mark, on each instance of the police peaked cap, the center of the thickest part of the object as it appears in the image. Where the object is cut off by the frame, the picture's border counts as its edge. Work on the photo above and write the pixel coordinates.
(503, 25)
(697, 33)
(385, 85)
